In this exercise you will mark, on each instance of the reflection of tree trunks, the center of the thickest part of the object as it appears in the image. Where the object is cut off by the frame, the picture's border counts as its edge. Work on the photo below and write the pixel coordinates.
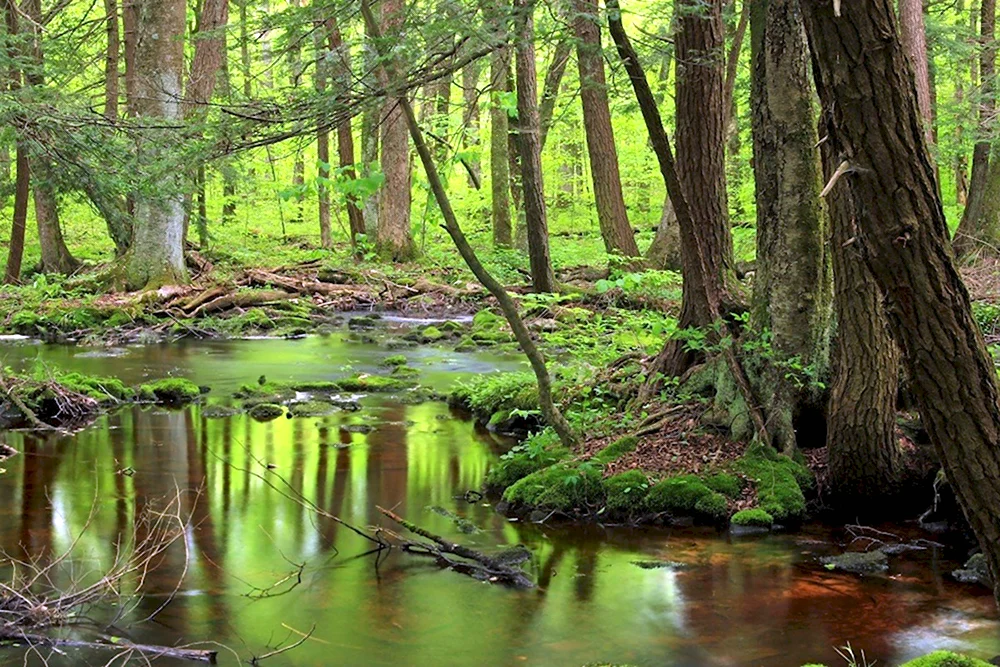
(35, 536)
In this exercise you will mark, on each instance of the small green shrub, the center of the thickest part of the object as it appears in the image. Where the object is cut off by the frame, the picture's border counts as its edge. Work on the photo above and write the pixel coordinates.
(487, 395)
(946, 659)
(626, 493)
(616, 449)
(714, 506)
(538, 451)
(752, 518)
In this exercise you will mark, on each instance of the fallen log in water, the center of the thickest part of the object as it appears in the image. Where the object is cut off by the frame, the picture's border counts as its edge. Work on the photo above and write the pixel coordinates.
(148, 651)
(476, 564)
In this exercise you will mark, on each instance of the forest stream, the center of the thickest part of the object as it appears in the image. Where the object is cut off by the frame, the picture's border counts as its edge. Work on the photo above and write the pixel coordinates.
(259, 569)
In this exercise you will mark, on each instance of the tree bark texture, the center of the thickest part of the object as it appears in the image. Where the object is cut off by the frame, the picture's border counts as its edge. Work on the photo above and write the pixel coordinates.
(499, 160)
(792, 285)
(15, 250)
(341, 55)
(536, 222)
(550, 87)
(611, 214)
(913, 35)
(393, 237)
(111, 60)
(864, 83)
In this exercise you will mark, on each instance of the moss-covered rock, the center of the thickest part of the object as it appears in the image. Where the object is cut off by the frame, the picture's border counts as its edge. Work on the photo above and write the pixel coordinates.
(170, 390)
(395, 360)
(219, 411)
(975, 571)
(266, 411)
(858, 562)
(677, 495)
(713, 506)
(311, 409)
(616, 449)
(625, 493)
(752, 518)
(405, 372)
(946, 659)
(372, 384)
(539, 451)
(572, 488)
(101, 389)
(779, 481)
(724, 483)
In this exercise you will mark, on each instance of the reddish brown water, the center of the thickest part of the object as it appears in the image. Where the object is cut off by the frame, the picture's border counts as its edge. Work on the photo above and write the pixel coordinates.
(759, 601)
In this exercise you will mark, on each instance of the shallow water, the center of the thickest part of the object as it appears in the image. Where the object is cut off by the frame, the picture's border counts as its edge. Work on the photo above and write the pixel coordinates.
(751, 601)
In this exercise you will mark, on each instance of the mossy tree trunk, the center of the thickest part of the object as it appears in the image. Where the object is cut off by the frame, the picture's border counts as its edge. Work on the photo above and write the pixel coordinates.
(156, 255)
(792, 286)
(876, 130)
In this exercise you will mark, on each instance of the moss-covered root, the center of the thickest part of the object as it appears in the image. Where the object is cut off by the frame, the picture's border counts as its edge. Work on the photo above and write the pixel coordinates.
(779, 480)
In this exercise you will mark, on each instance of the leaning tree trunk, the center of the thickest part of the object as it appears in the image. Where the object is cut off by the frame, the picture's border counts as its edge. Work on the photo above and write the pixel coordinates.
(970, 234)
(611, 214)
(499, 160)
(393, 237)
(701, 163)
(876, 131)
(865, 461)
(542, 276)
(156, 256)
(792, 285)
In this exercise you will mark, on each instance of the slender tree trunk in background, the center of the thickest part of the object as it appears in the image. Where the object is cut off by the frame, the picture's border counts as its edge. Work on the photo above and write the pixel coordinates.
(226, 166)
(56, 257)
(130, 36)
(370, 130)
(550, 88)
(968, 231)
(295, 37)
(914, 38)
(865, 460)
(393, 238)
(961, 162)
(15, 250)
(111, 60)
(499, 160)
(156, 255)
(665, 250)
(245, 50)
(701, 163)
(298, 182)
(732, 67)
(903, 235)
(611, 214)
(345, 139)
(792, 285)
(209, 53)
(470, 119)
(542, 276)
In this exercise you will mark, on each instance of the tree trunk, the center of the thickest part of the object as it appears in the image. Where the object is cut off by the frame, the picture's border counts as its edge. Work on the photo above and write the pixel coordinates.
(865, 461)
(792, 285)
(345, 139)
(877, 131)
(550, 88)
(156, 256)
(969, 233)
(393, 238)
(732, 67)
(701, 164)
(914, 38)
(111, 60)
(665, 250)
(370, 129)
(56, 257)
(499, 160)
(15, 251)
(530, 149)
(130, 37)
(470, 119)
(611, 214)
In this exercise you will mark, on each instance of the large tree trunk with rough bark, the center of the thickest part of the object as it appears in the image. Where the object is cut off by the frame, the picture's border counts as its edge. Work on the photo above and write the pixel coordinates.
(611, 214)
(792, 285)
(876, 131)
(499, 160)
(536, 221)
(865, 460)
(393, 237)
(156, 255)
(975, 227)
(913, 35)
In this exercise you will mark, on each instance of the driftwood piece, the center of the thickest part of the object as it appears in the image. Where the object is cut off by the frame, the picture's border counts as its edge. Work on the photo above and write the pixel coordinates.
(148, 651)
(242, 300)
(482, 566)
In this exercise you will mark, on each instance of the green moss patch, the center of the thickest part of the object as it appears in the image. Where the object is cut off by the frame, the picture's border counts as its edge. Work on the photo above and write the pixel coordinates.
(946, 659)
(779, 481)
(726, 484)
(677, 494)
(539, 451)
(101, 389)
(170, 390)
(752, 518)
(616, 449)
(571, 488)
(312, 409)
(625, 493)
(372, 384)
(266, 411)
(394, 360)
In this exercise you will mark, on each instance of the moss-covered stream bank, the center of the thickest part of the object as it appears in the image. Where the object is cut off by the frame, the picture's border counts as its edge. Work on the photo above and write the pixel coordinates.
(649, 596)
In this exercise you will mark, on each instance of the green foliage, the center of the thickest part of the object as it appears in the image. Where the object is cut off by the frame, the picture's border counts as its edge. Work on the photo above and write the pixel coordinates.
(506, 393)
(946, 659)
(170, 390)
(625, 493)
(394, 360)
(565, 487)
(616, 449)
(752, 518)
(714, 505)
(779, 481)
(101, 389)
(538, 451)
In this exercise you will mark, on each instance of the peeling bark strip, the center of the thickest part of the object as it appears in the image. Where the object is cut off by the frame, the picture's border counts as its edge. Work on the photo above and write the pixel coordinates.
(867, 90)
